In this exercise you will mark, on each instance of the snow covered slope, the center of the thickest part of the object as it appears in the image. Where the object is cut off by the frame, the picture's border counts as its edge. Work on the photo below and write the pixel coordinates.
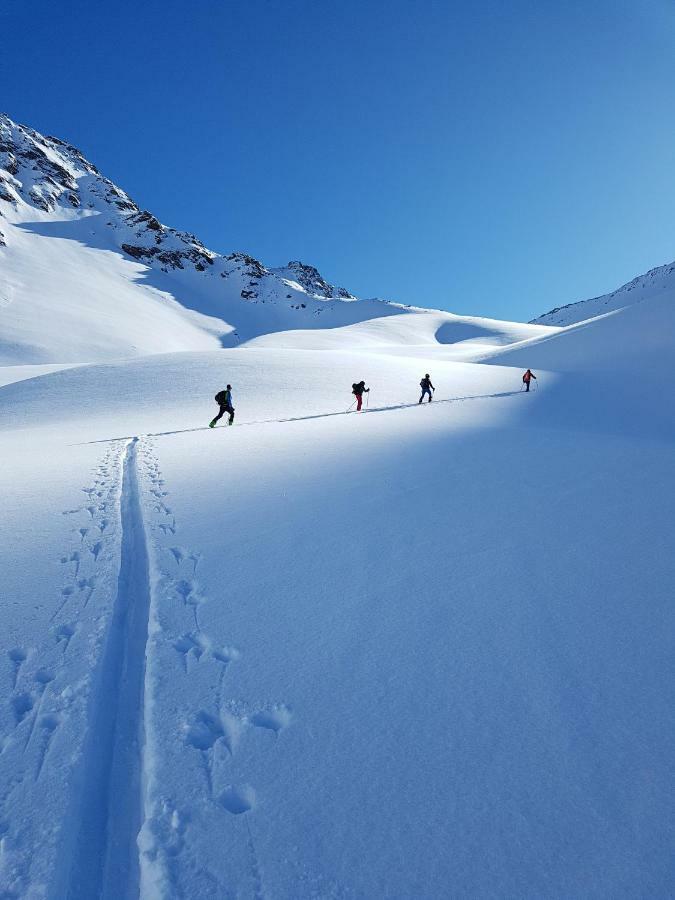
(659, 282)
(417, 652)
(86, 275)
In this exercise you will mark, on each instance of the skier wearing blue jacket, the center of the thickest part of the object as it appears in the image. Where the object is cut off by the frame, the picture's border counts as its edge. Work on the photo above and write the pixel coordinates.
(224, 401)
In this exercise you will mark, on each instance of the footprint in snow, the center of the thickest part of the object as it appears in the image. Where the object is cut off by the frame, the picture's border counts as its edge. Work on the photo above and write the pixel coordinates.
(86, 586)
(18, 657)
(171, 529)
(191, 646)
(225, 656)
(64, 635)
(96, 549)
(74, 557)
(22, 704)
(178, 553)
(48, 727)
(238, 799)
(66, 593)
(202, 735)
(275, 719)
(189, 591)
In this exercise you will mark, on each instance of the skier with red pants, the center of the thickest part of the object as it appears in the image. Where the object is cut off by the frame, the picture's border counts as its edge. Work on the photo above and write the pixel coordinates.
(358, 391)
(527, 377)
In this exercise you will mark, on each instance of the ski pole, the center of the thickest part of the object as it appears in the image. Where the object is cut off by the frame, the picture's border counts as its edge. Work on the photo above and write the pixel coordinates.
(351, 404)
(368, 400)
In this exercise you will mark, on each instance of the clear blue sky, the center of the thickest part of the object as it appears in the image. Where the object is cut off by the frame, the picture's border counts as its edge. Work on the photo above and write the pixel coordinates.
(498, 157)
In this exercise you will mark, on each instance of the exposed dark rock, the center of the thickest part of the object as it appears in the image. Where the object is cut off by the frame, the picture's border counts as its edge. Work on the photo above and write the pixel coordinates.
(253, 266)
(41, 202)
(9, 162)
(5, 194)
(311, 280)
(147, 219)
(138, 252)
(170, 258)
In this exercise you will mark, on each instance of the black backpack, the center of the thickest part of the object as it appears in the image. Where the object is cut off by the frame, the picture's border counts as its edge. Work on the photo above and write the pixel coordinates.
(221, 397)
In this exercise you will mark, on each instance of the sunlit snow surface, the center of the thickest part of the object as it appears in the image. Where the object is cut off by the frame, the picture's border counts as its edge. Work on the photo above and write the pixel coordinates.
(412, 652)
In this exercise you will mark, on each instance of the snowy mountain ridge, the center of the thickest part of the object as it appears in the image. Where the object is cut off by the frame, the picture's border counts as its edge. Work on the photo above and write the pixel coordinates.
(82, 261)
(49, 174)
(86, 275)
(644, 287)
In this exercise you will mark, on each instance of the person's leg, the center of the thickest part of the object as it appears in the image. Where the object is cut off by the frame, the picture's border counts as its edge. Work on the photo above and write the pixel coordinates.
(221, 413)
(527, 386)
(422, 397)
(359, 401)
(429, 393)
(230, 410)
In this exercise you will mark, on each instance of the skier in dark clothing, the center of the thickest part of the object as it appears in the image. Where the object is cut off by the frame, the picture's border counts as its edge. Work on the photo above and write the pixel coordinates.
(527, 377)
(427, 387)
(358, 391)
(224, 401)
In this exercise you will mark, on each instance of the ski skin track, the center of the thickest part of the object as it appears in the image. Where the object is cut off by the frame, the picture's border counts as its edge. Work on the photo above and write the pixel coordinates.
(105, 858)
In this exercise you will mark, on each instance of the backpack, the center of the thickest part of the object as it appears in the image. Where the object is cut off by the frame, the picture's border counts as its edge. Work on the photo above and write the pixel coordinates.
(221, 397)
(355, 388)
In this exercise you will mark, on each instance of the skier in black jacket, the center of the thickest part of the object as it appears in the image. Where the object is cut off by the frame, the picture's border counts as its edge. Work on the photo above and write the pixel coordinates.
(358, 390)
(224, 401)
(427, 387)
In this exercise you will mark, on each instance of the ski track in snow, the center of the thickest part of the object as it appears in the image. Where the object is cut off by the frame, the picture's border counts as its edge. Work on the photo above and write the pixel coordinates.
(324, 415)
(105, 857)
(122, 835)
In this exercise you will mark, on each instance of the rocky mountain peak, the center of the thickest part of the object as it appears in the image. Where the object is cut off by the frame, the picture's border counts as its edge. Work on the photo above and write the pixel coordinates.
(50, 175)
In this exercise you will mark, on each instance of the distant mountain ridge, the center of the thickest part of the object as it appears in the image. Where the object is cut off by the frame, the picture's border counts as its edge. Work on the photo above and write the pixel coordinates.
(47, 173)
(79, 256)
(86, 275)
(644, 287)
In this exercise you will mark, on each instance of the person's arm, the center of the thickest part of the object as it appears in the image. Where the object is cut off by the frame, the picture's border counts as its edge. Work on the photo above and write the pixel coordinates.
(431, 386)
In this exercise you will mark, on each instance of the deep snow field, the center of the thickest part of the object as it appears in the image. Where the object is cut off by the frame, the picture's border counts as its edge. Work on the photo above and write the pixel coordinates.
(413, 652)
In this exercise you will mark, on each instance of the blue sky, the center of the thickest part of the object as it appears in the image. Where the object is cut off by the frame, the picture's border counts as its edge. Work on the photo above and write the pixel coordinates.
(494, 158)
